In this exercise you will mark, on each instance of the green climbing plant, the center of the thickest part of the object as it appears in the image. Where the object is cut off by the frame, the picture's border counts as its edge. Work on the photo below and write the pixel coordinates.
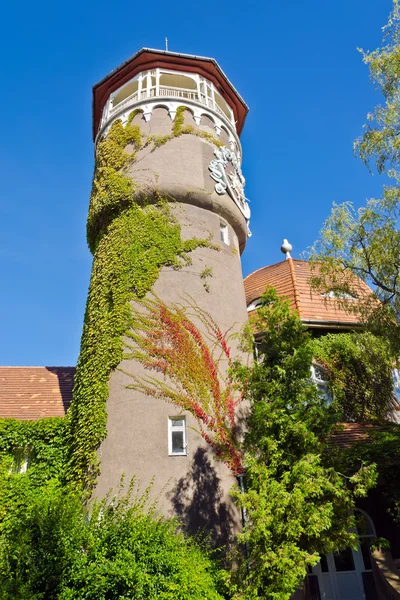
(42, 444)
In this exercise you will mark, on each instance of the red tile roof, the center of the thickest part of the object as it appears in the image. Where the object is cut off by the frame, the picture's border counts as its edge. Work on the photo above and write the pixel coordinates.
(291, 278)
(351, 433)
(30, 393)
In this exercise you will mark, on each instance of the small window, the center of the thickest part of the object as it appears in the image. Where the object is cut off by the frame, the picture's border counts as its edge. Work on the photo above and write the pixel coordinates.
(177, 436)
(224, 233)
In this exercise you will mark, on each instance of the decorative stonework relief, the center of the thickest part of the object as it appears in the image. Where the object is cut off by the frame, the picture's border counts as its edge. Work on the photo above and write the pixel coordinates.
(225, 170)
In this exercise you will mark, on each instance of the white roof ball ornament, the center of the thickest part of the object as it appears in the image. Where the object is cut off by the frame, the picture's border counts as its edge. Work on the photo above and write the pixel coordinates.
(286, 248)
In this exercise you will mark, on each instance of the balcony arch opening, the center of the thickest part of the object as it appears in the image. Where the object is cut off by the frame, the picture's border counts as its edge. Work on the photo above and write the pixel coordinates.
(207, 124)
(224, 136)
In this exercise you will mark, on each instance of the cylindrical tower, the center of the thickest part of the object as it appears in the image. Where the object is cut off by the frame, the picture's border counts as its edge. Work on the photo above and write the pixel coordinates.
(165, 125)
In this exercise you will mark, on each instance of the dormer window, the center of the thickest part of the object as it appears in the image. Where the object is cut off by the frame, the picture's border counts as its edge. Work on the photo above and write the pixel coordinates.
(253, 305)
(338, 294)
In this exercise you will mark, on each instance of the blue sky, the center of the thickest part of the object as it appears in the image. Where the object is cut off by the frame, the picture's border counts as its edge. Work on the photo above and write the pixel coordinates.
(297, 67)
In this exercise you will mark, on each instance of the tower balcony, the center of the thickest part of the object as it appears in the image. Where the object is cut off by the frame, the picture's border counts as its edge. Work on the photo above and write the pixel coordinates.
(148, 88)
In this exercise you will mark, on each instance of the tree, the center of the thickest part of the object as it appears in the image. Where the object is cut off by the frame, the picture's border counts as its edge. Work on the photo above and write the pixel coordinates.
(361, 392)
(366, 242)
(55, 546)
(297, 508)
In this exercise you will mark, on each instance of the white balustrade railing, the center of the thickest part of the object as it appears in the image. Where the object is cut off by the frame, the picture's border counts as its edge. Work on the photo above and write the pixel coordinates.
(220, 111)
(179, 93)
(163, 92)
(129, 100)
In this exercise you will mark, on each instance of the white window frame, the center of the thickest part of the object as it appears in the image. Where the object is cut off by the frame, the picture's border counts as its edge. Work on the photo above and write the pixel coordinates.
(182, 428)
(329, 580)
(224, 233)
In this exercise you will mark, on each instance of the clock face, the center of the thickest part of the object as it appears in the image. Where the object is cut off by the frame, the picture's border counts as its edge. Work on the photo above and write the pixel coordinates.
(225, 170)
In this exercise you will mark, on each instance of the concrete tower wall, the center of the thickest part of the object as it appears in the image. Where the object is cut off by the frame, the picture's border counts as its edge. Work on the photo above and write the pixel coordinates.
(195, 486)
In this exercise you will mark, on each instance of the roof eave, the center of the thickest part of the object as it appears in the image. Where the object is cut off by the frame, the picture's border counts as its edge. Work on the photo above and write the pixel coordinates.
(172, 54)
(315, 323)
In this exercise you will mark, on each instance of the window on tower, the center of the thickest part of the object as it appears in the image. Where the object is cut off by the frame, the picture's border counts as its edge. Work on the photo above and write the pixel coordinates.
(224, 233)
(177, 436)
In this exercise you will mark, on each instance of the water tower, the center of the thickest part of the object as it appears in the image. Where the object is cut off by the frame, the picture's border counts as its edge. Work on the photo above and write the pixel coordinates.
(201, 172)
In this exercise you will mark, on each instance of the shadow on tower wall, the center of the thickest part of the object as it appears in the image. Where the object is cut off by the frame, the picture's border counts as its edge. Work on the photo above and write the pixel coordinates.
(197, 500)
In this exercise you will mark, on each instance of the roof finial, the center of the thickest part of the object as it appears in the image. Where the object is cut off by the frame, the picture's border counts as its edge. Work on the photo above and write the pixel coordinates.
(286, 248)
(166, 44)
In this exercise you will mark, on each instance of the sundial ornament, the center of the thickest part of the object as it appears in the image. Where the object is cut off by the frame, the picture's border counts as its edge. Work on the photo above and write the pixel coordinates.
(225, 170)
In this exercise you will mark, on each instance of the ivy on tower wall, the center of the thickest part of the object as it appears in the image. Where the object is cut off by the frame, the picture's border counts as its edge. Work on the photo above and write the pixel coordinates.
(132, 237)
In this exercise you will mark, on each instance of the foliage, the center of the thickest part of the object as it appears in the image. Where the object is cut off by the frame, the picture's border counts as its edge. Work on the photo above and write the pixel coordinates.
(359, 373)
(112, 189)
(382, 448)
(366, 242)
(43, 439)
(380, 142)
(43, 443)
(297, 504)
(118, 548)
(161, 335)
(132, 238)
(296, 507)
